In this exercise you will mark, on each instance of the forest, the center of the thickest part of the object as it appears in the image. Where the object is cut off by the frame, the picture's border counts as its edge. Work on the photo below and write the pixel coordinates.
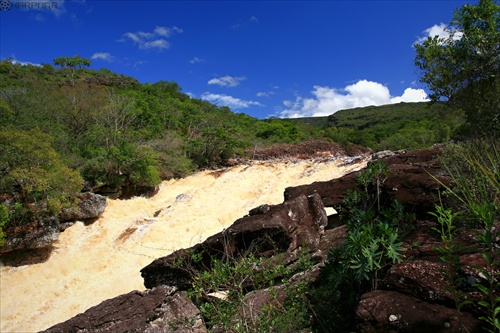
(65, 128)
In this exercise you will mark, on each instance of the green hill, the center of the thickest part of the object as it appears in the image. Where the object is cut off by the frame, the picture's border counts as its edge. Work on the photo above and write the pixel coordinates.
(394, 126)
(67, 129)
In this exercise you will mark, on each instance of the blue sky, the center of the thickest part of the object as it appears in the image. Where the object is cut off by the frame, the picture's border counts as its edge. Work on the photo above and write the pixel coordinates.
(262, 58)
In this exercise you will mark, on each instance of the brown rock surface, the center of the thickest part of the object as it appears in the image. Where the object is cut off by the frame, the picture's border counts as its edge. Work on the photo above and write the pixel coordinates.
(287, 227)
(382, 311)
(160, 309)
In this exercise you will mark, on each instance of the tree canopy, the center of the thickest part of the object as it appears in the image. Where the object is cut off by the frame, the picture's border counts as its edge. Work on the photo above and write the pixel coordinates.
(72, 62)
(464, 67)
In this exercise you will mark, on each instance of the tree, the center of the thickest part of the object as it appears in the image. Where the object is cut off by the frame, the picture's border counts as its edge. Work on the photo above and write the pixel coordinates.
(464, 67)
(34, 175)
(72, 62)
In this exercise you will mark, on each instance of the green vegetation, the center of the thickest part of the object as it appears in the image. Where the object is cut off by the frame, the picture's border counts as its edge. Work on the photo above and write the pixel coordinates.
(464, 67)
(285, 310)
(475, 170)
(34, 176)
(395, 126)
(373, 243)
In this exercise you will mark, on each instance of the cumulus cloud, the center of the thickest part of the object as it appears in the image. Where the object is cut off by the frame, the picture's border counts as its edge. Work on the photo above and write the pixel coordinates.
(230, 101)
(151, 40)
(103, 56)
(227, 81)
(441, 30)
(328, 100)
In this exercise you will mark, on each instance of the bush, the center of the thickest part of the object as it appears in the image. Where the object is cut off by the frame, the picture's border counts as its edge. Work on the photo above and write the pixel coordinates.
(373, 243)
(34, 174)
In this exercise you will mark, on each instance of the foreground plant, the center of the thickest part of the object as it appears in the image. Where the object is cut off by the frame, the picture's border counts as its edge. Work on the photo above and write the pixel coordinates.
(373, 243)
(474, 168)
(223, 294)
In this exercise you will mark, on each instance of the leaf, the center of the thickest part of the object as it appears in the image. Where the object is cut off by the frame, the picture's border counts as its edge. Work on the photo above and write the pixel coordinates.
(482, 288)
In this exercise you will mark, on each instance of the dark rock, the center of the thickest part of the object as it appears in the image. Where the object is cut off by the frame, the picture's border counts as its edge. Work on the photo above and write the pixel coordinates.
(288, 227)
(332, 238)
(389, 311)
(331, 191)
(37, 234)
(410, 181)
(90, 207)
(160, 309)
(420, 278)
(262, 209)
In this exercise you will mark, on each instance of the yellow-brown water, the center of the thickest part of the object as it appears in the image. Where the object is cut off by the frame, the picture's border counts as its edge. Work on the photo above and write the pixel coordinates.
(90, 264)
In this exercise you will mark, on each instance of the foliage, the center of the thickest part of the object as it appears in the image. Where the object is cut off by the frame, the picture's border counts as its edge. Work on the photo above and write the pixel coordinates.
(5, 113)
(450, 255)
(463, 68)
(232, 278)
(4, 219)
(474, 168)
(372, 244)
(34, 174)
(394, 126)
(72, 62)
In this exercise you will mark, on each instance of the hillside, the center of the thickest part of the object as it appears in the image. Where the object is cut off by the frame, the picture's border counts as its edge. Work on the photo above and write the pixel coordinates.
(393, 126)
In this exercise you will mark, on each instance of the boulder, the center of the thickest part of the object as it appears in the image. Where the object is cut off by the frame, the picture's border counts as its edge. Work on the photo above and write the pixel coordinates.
(160, 309)
(90, 207)
(381, 311)
(37, 234)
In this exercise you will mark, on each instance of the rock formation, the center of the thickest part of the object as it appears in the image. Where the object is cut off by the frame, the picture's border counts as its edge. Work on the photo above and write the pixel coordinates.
(43, 232)
(412, 296)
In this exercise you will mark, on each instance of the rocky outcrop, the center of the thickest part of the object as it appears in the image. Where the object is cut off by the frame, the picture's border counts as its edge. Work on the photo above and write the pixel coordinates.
(411, 181)
(414, 295)
(42, 232)
(90, 207)
(160, 309)
(39, 233)
(285, 228)
(381, 311)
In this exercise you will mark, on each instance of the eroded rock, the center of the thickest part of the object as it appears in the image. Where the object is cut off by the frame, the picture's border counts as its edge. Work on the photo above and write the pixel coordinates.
(383, 311)
(91, 206)
(160, 309)
(288, 227)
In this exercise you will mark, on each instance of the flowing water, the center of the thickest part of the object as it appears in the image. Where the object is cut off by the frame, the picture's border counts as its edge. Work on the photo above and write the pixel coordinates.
(89, 264)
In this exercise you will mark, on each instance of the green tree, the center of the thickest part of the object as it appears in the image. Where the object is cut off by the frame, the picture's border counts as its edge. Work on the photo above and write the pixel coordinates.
(34, 174)
(72, 62)
(463, 68)
(5, 112)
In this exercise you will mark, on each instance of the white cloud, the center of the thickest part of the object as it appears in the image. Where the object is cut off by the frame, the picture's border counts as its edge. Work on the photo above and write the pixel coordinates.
(196, 60)
(25, 63)
(103, 56)
(441, 30)
(166, 32)
(158, 43)
(230, 101)
(151, 40)
(227, 81)
(254, 19)
(327, 101)
(411, 95)
(265, 93)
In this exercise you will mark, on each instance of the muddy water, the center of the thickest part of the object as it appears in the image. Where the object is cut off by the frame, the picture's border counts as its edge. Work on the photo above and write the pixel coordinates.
(90, 264)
